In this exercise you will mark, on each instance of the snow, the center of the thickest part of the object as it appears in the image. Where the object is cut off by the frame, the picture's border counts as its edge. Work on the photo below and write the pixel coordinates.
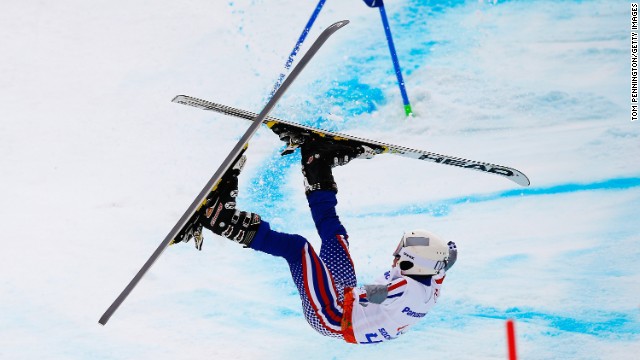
(98, 164)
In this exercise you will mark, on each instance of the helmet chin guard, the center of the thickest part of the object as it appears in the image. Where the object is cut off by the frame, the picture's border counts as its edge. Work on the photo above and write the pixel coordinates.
(421, 252)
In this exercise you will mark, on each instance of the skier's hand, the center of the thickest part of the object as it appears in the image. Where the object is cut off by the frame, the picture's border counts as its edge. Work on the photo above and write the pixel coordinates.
(453, 255)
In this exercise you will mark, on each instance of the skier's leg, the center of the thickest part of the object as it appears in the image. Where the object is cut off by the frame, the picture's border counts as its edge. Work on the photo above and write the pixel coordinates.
(321, 296)
(319, 156)
(335, 244)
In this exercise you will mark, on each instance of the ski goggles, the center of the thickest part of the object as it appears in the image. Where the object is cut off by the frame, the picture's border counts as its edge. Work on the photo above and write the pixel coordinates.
(411, 241)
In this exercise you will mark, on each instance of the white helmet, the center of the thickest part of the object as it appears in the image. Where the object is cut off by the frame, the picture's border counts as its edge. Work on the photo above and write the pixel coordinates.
(421, 252)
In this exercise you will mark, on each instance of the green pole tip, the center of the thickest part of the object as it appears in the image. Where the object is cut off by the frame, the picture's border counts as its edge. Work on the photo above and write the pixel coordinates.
(407, 110)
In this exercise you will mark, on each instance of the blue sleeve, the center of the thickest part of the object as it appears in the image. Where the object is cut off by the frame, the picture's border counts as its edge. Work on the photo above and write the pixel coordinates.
(323, 210)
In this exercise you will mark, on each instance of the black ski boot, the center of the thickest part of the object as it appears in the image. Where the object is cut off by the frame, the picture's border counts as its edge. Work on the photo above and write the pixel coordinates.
(320, 155)
(218, 213)
(221, 216)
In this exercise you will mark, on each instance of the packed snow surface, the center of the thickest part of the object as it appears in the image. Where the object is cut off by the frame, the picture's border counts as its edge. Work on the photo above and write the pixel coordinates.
(97, 165)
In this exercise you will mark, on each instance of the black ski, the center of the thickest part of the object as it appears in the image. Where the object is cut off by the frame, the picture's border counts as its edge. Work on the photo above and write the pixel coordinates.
(293, 132)
(226, 164)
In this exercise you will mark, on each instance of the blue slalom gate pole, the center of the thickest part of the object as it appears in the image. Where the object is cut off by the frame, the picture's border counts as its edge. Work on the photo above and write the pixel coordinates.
(394, 58)
(296, 48)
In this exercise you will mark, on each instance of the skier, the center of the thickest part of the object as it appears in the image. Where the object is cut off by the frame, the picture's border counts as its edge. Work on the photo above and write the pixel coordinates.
(332, 303)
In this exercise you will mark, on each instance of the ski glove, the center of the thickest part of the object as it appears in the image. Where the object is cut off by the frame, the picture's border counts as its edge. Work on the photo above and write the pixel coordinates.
(376, 294)
(453, 255)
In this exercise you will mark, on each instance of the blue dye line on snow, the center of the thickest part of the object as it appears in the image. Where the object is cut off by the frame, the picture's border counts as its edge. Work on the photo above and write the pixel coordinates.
(442, 208)
(598, 323)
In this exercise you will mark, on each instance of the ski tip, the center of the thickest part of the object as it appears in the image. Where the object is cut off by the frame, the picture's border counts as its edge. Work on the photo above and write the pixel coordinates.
(339, 24)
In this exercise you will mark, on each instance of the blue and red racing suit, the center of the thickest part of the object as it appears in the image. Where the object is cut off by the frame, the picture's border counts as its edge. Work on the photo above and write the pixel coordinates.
(332, 303)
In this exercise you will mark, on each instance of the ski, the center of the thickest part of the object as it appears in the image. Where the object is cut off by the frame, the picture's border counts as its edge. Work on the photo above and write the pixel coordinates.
(294, 133)
(226, 164)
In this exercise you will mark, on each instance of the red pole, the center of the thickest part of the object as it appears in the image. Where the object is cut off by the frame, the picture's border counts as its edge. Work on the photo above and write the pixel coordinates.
(511, 340)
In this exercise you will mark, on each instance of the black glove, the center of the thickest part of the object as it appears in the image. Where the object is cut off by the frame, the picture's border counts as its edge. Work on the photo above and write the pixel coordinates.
(453, 255)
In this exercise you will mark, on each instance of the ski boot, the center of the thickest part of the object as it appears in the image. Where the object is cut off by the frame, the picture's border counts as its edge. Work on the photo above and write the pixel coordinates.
(222, 217)
(320, 155)
(218, 213)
